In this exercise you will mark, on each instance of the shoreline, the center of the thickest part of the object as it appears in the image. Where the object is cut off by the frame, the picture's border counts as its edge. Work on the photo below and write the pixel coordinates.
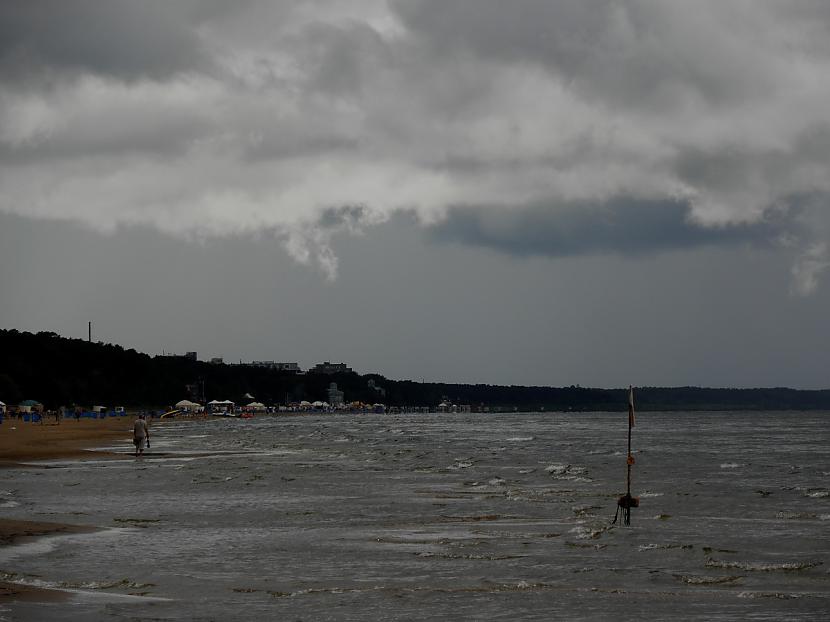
(13, 531)
(22, 443)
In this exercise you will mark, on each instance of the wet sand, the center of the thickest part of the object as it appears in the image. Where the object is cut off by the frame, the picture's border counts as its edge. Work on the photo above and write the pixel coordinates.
(24, 442)
(15, 531)
(16, 592)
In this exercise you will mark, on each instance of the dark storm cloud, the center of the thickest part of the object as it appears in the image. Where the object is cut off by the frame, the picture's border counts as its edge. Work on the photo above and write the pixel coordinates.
(217, 118)
(620, 226)
(117, 38)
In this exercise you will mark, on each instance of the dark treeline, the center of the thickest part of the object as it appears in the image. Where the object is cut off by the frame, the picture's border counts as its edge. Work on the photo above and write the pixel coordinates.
(58, 371)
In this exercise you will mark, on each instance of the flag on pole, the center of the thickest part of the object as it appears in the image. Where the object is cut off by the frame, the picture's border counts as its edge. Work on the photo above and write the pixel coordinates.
(630, 406)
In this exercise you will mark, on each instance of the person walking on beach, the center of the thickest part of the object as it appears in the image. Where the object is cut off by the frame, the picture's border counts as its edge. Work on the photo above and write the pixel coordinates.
(141, 435)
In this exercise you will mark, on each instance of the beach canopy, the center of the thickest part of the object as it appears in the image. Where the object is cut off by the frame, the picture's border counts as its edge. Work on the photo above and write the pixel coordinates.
(30, 403)
(255, 405)
(219, 402)
(187, 404)
(2, 403)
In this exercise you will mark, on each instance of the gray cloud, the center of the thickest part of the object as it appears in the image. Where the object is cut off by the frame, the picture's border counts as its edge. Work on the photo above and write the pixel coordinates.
(118, 38)
(641, 53)
(219, 119)
(620, 226)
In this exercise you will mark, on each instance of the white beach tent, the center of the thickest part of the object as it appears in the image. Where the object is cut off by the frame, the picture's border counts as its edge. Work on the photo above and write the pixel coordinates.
(220, 406)
(255, 406)
(2, 407)
(188, 405)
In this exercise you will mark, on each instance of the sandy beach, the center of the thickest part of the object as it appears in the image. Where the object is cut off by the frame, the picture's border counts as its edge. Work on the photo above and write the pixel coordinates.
(24, 442)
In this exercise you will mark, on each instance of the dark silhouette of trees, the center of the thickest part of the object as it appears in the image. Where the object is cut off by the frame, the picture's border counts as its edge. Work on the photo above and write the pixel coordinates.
(58, 371)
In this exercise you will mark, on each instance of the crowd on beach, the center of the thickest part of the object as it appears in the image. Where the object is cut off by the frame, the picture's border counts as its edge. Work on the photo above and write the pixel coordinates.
(41, 415)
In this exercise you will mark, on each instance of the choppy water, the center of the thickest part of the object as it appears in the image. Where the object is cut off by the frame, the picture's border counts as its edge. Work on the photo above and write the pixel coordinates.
(437, 517)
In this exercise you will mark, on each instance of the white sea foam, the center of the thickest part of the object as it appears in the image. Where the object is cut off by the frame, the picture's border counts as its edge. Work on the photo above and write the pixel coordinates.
(6, 500)
(519, 439)
(730, 465)
(776, 595)
(459, 464)
(567, 472)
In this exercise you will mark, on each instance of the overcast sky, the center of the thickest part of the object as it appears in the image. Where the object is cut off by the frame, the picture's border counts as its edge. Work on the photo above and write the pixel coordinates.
(590, 192)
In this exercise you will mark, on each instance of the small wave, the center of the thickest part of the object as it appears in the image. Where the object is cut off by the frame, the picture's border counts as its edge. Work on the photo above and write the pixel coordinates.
(653, 547)
(819, 494)
(778, 595)
(107, 585)
(557, 469)
(691, 580)
(461, 465)
(763, 567)
(730, 465)
(519, 439)
(646, 495)
(588, 533)
(497, 481)
(5, 499)
(567, 471)
(795, 515)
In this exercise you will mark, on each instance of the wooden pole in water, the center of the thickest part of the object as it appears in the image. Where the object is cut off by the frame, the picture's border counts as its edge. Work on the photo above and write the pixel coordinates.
(626, 502)
(630, 459)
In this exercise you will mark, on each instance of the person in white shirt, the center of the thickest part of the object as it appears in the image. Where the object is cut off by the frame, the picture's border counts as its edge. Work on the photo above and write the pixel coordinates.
(141, 435)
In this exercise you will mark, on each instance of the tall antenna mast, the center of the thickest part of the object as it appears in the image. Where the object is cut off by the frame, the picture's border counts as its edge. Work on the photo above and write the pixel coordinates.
(89, 334)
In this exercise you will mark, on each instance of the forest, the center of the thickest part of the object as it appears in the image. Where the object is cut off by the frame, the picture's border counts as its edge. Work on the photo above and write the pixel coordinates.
(58, 371)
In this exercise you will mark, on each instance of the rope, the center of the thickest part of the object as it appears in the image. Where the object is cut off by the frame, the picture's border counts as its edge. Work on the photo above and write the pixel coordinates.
(623, 503)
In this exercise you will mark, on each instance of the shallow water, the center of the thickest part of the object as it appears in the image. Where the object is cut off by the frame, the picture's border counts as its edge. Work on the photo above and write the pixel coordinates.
(435, 517)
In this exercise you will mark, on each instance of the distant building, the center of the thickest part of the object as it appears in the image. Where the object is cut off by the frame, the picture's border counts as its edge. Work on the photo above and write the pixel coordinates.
(330, 368)
(336, 397)
(190, 356)
(217, 360)
(293, 368)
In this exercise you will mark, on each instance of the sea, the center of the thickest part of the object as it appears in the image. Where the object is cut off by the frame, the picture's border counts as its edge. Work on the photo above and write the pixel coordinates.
(437, 517)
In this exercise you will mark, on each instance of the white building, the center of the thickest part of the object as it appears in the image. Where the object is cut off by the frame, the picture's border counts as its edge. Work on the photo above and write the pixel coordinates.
(336, 397)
